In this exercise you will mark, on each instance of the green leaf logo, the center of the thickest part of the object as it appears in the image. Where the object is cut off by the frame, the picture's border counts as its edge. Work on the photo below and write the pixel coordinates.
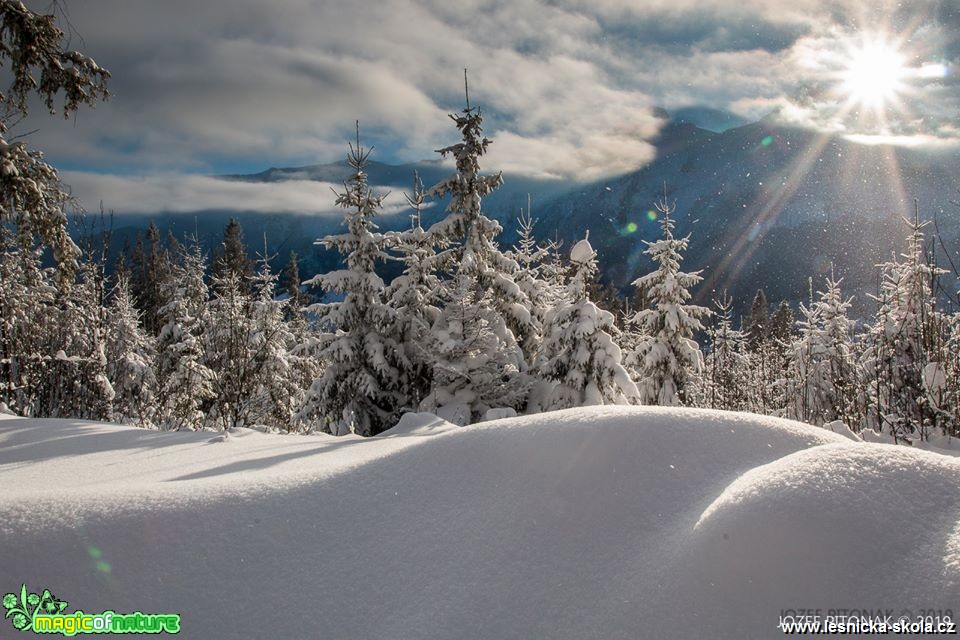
(23, 609)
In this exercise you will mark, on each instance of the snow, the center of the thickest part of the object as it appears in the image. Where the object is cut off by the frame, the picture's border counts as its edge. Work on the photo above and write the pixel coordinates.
(600, 522)
(582, 252)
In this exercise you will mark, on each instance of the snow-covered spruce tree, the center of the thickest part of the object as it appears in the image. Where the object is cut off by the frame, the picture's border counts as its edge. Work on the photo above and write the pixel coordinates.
(779, 339)
(579, 354)
(476, 258)
(245, 348)
(756, 324)
(415, 296)
(823, 373)
(542, 292)
(33, 55)
(130, 354)
(151, 266)
(231, 257)
(781, 326)
(303, 355)
(727, 365)
(279, 390)
(900, 342)
(228, 352)
(360, 389)
(184, 382)
(76, 377)
(667, 358)
(475, 359)
(801, 393)
(27, 304)
(948, 387)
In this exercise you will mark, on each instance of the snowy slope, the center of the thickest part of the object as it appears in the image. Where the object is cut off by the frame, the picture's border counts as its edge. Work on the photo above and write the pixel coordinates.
(589, 523)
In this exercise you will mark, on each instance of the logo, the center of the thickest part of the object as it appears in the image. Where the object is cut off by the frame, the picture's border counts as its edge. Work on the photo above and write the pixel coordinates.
(44, 613)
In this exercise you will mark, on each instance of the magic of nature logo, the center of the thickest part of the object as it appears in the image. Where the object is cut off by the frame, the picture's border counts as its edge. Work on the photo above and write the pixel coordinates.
(45, 613)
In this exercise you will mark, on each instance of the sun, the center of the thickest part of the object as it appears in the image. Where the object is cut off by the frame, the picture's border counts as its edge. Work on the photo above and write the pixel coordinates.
(873, 74)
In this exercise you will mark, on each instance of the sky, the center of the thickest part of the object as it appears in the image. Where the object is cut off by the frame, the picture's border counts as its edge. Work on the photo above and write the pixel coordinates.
(569, 90)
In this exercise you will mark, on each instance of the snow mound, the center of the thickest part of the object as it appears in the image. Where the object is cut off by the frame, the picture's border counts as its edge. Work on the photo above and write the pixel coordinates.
(602, 522)
(418, 424)
(834, 526)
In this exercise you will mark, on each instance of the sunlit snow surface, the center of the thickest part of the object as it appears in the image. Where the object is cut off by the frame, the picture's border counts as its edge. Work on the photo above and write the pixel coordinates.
(588, 523)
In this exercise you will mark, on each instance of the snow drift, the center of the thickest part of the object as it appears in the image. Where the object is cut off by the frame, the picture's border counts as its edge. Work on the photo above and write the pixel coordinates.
(604, 522)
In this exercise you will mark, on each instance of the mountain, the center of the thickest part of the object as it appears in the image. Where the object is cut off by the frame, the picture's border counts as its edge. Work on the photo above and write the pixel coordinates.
(709, 118)
(287, 232)
(766, 206)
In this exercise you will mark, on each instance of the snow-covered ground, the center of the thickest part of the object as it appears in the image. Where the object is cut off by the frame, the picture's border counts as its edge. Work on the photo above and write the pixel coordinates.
(606, 522)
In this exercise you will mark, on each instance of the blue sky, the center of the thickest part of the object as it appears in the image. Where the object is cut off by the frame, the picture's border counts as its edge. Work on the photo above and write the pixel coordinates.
(569, 88)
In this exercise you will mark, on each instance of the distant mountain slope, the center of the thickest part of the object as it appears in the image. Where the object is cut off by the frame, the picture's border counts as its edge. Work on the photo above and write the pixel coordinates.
(767, 206)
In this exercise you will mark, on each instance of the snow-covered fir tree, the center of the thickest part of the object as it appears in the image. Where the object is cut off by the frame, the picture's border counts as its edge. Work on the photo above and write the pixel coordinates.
(727, 365)
(415, 296)
(246, 343)
(37, 64)
(360, 389)
(475, 360)
(184, 382)
(130, 354)
(541, 291)
(667, 358)
(476, 257)
(822, 374)
(231, 257)
(27, 302)
(78, 372)
(579, 353)
(756, 324)
(150, 265)
(899, 343)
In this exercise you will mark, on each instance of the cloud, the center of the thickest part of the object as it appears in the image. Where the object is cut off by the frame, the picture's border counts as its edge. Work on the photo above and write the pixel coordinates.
(187, 193)
(568, 89)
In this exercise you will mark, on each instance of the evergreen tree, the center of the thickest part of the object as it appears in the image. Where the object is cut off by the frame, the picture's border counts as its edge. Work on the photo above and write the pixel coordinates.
(579, 353)
(540, 293)
(278, 382)
(823, 369)
(667, 358)
(130, 355)
(900, 342)
(292, 285)
(727, 364)
(756, 325)
(151, 269)
(781, 326)
(415, 295)
(231, 257)
(245, 349)
(360, 390)
(27, 302)
(476, 257)
(475, 359)
(37, 65)
(78, 373)
(184, 381)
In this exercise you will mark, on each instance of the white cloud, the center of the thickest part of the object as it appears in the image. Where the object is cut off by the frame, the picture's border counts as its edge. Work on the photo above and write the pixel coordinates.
(182, 193)
(568, 88)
